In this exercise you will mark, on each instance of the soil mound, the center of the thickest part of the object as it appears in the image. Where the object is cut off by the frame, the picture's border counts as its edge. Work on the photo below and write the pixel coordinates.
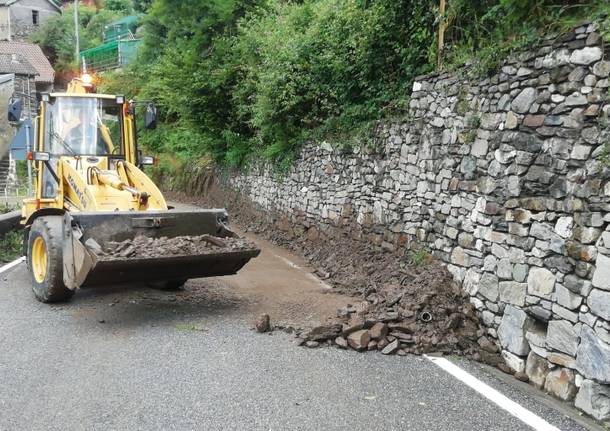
(404, 301)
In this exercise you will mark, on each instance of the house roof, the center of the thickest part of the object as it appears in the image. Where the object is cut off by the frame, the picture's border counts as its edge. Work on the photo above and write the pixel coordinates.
(34, 56)
(10, 2)
(17, 64)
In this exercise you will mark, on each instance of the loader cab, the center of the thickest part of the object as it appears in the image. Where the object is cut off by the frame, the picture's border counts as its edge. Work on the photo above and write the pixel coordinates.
(87, 129)
(83, 126)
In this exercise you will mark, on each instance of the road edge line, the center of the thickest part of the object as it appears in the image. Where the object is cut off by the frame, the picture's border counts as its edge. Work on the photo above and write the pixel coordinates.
(12, 264)
(502, 401)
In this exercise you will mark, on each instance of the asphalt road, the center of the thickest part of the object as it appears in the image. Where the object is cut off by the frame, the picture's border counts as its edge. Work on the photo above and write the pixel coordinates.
(149, 360)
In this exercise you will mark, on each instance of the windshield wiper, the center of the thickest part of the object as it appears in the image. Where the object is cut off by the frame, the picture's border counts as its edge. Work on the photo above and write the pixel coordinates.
(63, 143)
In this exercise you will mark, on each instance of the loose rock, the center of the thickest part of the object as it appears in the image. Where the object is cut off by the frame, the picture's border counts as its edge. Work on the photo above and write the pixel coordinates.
(262, 324)
(359, 340)
(390, 348)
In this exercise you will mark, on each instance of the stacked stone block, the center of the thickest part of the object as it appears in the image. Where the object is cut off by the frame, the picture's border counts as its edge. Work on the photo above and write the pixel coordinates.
(504, 179)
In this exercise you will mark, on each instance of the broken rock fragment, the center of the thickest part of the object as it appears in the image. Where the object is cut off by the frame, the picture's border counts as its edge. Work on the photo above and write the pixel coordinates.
(262, 324)
(359, 340)
(391, 348)
(379, 331)
(324, 332)
(341, 342)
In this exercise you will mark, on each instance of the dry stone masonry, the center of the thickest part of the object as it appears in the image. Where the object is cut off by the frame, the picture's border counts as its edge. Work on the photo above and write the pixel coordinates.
(505, 180)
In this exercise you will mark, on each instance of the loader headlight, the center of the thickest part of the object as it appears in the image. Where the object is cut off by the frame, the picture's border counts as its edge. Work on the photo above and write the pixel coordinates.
(120, 100)
(86, 78)
(147, 160)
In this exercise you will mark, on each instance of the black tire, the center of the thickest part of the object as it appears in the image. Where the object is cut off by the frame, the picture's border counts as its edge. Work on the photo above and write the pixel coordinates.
(170, 286)
(51, 288)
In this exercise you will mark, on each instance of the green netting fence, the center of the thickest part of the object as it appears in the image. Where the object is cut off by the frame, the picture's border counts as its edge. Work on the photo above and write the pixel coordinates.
(121, 29)
(111, 55)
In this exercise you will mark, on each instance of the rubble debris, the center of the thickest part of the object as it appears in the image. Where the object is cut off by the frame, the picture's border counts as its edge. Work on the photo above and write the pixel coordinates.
(426, 312)
(147, 247)
(93, 245)
(341, 342)
(378, 331)
(262, 324)
(359, 340)
(325, 332)
(423, 309)
(390, 348)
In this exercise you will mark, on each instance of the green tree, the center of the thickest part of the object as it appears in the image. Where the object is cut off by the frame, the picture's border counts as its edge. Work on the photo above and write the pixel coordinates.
(57, 39)
(266, 76)
(123, 6)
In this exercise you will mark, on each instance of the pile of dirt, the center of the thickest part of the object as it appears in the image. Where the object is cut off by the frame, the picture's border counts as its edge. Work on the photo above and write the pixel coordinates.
(427, 313)
(405, 302)
(146, 247)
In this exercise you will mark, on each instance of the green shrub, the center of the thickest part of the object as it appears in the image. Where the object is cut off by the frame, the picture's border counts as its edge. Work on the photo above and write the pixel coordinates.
(56, 35)
(264, 77)
(420, 257)
(484, 32)
(236, 78)
(11, 246)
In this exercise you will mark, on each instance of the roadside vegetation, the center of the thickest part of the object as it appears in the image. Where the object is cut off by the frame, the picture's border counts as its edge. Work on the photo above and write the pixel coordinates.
(56, 36)
(5, 209)
(11, 246)
(237, 78)
(10, 243)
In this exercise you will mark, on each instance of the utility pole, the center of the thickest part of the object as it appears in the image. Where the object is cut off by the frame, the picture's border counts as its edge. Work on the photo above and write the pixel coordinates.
(441, 33)
(28, 144)
(77, 48)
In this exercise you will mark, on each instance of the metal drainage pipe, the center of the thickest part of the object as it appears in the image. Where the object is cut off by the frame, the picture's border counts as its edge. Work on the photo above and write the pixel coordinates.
(425, 317)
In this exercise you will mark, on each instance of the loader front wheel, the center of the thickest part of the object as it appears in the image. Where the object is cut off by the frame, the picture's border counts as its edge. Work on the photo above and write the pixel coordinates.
(45, 260)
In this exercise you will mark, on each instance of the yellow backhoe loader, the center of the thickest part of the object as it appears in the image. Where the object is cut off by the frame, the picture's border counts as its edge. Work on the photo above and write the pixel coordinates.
(93, 205)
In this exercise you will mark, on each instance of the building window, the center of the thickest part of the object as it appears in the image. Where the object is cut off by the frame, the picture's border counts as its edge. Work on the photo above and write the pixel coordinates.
(35, 17)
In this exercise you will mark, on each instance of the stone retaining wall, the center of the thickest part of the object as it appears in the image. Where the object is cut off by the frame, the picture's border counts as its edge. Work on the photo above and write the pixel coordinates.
(504, 180)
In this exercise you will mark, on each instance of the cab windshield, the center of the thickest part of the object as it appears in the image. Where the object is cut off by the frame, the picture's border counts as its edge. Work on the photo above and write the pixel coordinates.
(83, 126)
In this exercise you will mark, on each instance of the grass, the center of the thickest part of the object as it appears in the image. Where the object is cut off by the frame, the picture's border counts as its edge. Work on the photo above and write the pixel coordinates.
(420, 257)
(11, 246)
(6, 208)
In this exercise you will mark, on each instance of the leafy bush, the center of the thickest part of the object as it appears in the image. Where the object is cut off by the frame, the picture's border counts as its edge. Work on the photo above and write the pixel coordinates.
(484, 32)
(237, 78)
(11, 246)
(56, 36)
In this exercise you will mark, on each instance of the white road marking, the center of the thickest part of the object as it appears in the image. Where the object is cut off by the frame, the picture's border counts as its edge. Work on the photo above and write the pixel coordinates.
(12, 264)
(521, 413)
(307, 274)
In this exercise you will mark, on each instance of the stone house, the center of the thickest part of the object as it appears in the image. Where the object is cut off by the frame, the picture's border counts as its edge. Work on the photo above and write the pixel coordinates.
(25, 72)
(19, 18)
(45, 74)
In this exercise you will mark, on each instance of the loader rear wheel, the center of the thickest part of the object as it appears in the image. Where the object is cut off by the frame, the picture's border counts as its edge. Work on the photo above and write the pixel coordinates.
(45, 260)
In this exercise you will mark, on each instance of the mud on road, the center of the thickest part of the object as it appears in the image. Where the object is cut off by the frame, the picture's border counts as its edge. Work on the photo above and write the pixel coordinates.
(276, 282)
(398, 304)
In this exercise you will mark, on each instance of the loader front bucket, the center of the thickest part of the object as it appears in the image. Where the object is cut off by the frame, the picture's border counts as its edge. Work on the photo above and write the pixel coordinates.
(102, 248)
